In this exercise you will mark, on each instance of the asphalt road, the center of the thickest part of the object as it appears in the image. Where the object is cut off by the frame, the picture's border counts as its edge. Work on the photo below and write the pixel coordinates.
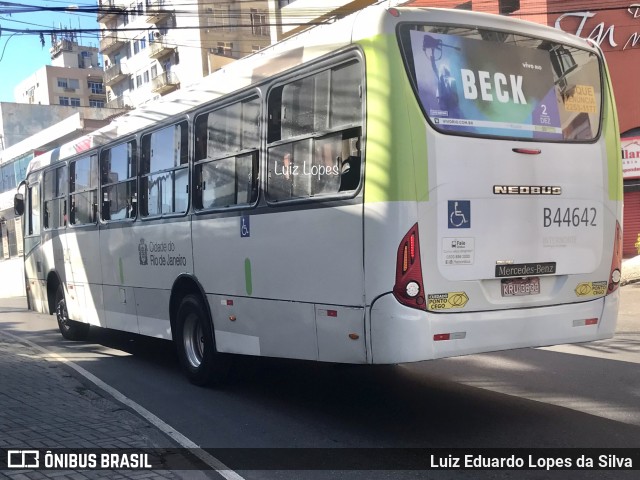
(567, 396)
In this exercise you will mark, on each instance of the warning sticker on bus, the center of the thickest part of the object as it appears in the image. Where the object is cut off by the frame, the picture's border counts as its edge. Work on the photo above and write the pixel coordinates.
(588, 289)
(445, 301)
(582, 98)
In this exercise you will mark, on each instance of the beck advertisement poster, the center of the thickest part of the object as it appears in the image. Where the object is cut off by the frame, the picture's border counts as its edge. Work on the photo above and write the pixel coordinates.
(486, 88)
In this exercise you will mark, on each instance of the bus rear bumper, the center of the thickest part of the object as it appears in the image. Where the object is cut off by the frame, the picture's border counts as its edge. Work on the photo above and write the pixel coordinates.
(401, 334)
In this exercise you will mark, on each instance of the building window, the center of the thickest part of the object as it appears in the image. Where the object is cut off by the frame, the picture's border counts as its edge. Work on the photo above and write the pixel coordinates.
(69, 83)
(259, 23)
(221, 17)
(154, 71)
(143, 43)
(8, 180)
(75, 102)
(64, 101)
(508, 6)
(138, 81)
(145, 76)
(96, 103)
(96, 88)
(225, 48)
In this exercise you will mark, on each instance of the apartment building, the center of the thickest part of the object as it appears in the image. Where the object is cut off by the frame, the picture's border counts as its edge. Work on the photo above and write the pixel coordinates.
(74, 77)
(153, 47)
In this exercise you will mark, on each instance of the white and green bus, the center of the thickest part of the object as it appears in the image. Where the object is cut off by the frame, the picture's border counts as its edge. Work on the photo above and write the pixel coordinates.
(404, 184)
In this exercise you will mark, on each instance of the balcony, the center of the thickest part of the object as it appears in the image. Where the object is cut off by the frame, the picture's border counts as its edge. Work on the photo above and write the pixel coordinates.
(164, 83)
(117, 102)
(108, 10)
(114, 74)
(111, 42)
(160, 47)
(157, 11)
(97, 94)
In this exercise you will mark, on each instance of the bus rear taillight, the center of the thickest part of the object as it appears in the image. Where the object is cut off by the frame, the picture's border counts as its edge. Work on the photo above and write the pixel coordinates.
(616, 262)
(409, 289)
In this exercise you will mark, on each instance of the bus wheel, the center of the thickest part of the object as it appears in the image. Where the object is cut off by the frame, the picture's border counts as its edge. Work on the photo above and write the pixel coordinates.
(196, 346)
(68, 328)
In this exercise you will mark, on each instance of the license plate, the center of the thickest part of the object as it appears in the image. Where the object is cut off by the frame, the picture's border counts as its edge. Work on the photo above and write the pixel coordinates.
(516, 287)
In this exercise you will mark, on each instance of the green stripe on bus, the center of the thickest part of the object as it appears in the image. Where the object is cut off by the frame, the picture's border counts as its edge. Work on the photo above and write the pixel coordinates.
(611, 133)
(121, 268)
(396, 149)
(247, 276)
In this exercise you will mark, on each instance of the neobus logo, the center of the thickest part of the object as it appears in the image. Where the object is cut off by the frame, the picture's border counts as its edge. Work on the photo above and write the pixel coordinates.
(526, 190)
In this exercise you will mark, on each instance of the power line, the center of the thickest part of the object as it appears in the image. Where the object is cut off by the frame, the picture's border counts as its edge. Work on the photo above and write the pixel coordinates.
(5, 45)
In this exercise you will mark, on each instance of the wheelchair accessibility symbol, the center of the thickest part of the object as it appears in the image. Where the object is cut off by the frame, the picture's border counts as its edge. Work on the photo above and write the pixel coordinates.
(245, 226)
(459, 214)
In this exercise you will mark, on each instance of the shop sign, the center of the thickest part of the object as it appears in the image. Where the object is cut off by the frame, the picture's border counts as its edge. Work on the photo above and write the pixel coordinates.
(603, 32)
(630, 157)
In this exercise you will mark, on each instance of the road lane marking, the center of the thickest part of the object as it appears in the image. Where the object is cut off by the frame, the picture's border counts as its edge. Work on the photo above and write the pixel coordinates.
(161, 425)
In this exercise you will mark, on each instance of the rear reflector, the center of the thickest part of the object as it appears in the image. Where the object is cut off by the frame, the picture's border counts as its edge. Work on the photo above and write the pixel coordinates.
(585, 322)
(449, 336)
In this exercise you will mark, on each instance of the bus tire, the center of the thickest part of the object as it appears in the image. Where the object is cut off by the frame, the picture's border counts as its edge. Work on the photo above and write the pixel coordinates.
(195, 343)
(69, 329)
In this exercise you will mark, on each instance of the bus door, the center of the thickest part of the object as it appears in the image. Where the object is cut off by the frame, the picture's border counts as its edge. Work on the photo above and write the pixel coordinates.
(82, 256)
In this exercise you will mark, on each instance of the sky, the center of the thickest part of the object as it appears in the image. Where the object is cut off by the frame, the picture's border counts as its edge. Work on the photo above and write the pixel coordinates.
(22, 54)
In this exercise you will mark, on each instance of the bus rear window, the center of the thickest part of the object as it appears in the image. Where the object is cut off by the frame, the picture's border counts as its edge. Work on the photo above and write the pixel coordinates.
(477, 82)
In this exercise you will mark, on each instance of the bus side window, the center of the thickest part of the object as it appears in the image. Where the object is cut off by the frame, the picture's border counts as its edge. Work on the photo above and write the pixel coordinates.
(83, 190)
(55, 203)
(327, 160)
(322, 116)
(274, 112)
(33, 209)
(165, 174)
(351, 164)
(226, 170)
(119, 191)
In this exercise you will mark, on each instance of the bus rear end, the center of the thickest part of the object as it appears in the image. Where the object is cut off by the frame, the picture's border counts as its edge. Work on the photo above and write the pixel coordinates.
(514, 236)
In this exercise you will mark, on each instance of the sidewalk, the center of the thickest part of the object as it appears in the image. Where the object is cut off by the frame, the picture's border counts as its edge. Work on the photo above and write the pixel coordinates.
(45, 404)
(630, 270)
